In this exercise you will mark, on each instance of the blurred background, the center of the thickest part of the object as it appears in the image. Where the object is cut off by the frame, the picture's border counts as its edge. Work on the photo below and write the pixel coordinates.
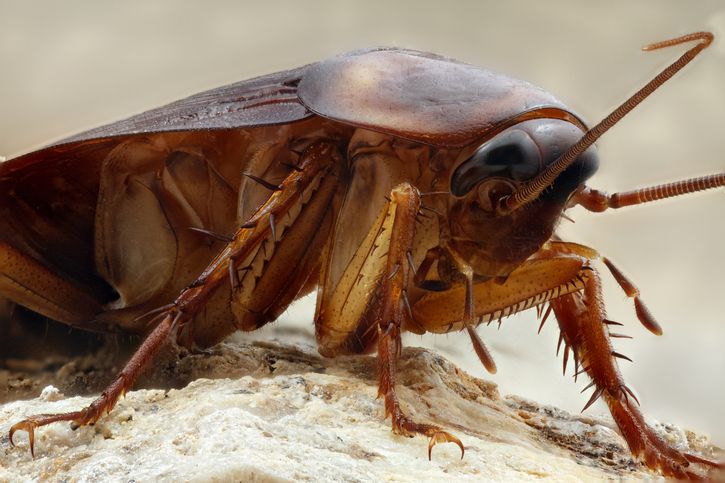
(68, 66)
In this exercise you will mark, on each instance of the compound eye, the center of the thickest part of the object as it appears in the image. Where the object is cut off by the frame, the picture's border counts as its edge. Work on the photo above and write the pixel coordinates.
(512, 155)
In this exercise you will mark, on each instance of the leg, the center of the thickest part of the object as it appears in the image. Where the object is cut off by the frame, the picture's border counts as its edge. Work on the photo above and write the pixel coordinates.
(393, 314)
(155, 341)
(534, 283)
(389, 347)
(368, 306)
(27, 282)
(584, 328)
(313, 186)
(560, 274)
(643, 313)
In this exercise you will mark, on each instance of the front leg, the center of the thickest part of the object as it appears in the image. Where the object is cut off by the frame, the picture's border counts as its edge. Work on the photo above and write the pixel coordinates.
(561, 274)
(369, 306)
(585, 329)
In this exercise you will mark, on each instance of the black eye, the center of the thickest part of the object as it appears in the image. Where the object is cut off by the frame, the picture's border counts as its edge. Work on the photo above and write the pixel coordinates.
(512, 155)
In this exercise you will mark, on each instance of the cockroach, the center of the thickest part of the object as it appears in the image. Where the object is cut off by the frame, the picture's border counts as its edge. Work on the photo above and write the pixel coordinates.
(413, 192)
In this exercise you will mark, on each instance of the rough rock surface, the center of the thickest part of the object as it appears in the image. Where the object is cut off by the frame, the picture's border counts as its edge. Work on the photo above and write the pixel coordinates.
(266, 411)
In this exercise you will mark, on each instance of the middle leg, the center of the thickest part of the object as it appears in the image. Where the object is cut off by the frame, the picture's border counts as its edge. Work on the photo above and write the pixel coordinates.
(369, 306)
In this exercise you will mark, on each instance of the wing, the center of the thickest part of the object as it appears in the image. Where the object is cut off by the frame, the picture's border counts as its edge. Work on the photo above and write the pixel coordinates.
(423, 97)
(263, 101)
(48, 197)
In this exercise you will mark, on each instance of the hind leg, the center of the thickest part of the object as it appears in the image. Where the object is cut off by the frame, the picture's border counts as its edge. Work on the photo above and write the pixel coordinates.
(285, 233)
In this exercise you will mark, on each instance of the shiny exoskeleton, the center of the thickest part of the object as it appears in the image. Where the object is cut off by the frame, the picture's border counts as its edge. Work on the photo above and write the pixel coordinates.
(414, 192)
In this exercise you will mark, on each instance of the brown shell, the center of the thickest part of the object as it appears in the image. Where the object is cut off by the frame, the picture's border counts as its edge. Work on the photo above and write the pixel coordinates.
(262, 101)
(422, 97)
(414, 95)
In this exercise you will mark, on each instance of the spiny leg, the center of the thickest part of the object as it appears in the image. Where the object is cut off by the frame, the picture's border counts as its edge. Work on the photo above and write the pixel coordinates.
(560, 274)
(174, 317)
(532, 284)
(389, 347)
(103, 404)
(395, 279)
(583, 323)
(27, 282)
(643, 314)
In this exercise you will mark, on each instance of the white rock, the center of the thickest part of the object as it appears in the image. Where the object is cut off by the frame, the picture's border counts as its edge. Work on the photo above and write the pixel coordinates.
(275, 412)
(50, 393)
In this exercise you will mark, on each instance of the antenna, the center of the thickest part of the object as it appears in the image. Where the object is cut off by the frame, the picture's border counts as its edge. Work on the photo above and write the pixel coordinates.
(530, 190)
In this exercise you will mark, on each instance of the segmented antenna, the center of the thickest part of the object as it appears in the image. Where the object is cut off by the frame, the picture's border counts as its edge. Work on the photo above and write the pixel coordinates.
(595, 200)
(531, 190)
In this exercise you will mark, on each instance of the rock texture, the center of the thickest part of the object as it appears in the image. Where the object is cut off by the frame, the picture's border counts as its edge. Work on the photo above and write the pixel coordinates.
(266, 411)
